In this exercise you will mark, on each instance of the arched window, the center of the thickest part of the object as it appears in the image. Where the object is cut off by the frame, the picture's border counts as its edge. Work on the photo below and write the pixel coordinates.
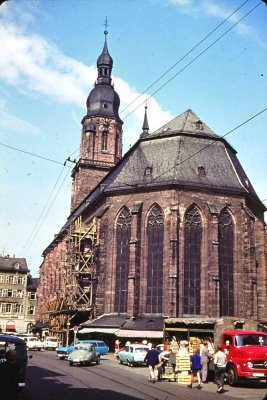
(123, 235)
(155, 230)
(192, 260)
(104, 140)
(226, 275)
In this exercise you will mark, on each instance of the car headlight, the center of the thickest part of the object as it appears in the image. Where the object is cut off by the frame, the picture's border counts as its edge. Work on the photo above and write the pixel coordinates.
(250, 364)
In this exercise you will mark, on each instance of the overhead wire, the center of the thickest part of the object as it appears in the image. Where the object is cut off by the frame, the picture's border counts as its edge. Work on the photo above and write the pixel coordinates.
(190, 51)
(185, 55)
(193, 60)
(36, 230)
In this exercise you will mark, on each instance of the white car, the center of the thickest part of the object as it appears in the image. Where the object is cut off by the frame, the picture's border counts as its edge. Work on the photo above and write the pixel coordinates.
(50, 342)
(32, 342)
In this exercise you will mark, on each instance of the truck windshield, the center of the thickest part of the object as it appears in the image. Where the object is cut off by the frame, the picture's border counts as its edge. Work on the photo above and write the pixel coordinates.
(251, 340)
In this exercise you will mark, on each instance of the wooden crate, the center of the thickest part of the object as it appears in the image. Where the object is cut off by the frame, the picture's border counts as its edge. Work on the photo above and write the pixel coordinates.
(184, 377)
(183, 363)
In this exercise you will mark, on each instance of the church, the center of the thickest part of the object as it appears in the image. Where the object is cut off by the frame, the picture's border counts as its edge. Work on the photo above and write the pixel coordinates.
(171, 230)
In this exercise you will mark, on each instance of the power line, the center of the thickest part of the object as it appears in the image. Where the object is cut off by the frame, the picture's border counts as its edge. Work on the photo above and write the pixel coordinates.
(32, 154)
(35, 231)
(193, 60)
(182, 58)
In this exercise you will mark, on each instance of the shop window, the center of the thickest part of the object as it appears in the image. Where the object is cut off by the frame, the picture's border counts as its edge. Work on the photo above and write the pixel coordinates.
(155, 232)
(192, 261)
(123, 236)
(226, 250)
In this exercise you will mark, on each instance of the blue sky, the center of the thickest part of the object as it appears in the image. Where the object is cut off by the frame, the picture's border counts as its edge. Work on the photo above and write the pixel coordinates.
(48, 59)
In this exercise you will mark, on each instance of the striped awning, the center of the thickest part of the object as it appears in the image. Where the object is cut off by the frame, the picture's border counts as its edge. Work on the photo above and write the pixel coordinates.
(139, 334)
(98, 330)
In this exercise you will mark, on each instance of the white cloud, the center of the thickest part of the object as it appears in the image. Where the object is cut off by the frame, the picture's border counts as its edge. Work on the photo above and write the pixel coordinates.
(213, 8)
(12, 123)
(38, 68)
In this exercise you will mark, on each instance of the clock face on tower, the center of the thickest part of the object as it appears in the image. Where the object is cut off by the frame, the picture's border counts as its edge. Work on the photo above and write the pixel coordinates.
(105, 124)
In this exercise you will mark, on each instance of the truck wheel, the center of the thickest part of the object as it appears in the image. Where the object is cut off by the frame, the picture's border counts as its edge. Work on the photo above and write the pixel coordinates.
(232, 376)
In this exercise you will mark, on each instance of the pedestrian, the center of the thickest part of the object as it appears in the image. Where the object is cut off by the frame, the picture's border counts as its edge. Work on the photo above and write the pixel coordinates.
(205, 359)
(172, 362)
(163, 358)
(152, 360)
(117, 346)
(195, 361)
(9, 377)
(220, 361)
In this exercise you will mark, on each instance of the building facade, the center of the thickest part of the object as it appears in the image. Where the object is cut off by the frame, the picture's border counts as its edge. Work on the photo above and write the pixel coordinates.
(173, 228)
(17, 295)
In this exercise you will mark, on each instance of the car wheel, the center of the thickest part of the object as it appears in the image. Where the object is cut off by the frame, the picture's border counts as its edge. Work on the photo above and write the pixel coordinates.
(129, 364)
(71, 364)
(232, 376)
(119, 361)
(98, 360)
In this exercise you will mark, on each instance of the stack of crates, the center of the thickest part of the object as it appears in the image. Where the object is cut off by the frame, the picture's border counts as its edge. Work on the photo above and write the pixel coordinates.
(184, 369)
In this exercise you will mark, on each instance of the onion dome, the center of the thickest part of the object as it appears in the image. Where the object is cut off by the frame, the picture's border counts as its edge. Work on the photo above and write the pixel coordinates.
(103, 100)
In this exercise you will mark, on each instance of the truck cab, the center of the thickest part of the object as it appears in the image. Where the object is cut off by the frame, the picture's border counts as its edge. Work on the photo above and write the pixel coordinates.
(246, 355)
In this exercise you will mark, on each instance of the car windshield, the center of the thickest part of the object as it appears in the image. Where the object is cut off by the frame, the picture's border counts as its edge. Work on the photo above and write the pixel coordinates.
(86, 348)
(33, 339)
(140, 349)
(51, 339)
(251, 340)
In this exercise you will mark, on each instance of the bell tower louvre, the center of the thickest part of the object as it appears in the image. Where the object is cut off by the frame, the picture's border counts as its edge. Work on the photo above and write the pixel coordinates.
(101, 135)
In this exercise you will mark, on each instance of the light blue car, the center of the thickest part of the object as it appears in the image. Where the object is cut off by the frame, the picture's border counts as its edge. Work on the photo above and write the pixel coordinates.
(100, 346)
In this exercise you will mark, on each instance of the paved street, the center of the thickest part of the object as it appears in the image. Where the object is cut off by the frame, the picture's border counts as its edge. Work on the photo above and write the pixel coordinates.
(50, 378)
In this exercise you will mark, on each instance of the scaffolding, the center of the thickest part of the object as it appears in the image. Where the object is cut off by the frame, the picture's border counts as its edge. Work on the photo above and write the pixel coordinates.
(76, 297)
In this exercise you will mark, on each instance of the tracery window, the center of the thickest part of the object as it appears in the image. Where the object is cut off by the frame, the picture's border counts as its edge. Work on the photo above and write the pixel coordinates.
(155, 233)
(123, 235)
(192, 261)
(226, 250)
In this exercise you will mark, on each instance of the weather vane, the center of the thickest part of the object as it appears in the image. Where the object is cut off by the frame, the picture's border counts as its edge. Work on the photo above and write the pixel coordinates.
(106, 25)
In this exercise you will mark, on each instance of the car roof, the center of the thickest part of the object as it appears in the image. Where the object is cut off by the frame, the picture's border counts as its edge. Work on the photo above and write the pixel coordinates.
(12, 339)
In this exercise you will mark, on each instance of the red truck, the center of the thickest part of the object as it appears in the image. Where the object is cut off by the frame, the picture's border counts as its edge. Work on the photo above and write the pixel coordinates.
(246, 355)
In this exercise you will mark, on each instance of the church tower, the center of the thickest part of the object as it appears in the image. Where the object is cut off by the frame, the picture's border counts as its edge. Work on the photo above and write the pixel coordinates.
(101, 139)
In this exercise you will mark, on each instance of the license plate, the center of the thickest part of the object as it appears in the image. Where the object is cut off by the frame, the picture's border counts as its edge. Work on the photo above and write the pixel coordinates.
(258, 374)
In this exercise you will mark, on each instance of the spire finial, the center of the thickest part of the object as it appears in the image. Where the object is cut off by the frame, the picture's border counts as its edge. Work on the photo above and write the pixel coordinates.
(145, 126)
(106, 26)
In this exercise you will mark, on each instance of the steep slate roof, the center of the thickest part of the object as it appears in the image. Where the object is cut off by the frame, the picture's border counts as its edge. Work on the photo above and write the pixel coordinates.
(13, 264)
(175, 153)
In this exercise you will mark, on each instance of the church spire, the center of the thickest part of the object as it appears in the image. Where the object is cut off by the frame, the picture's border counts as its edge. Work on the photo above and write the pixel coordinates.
(104, 64)
(145, 126)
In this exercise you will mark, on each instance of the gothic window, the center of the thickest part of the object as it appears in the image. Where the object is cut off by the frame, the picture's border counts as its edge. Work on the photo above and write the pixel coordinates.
(192, 261)
(123, 235)
(155, 231)
(104, 140)
(226, 275)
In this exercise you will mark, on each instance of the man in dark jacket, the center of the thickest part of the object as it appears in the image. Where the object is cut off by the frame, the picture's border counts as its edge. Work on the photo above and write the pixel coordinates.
(152, 360)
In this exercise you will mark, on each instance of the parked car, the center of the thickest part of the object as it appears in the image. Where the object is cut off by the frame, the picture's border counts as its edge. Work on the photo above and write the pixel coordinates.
(132, 355)
(50, 342)
(100, 346)
(64, 351)
(32, 342)
(10, 342)
(84, 354)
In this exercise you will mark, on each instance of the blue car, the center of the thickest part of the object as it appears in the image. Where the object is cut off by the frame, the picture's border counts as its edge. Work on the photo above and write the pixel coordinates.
(100, 346)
